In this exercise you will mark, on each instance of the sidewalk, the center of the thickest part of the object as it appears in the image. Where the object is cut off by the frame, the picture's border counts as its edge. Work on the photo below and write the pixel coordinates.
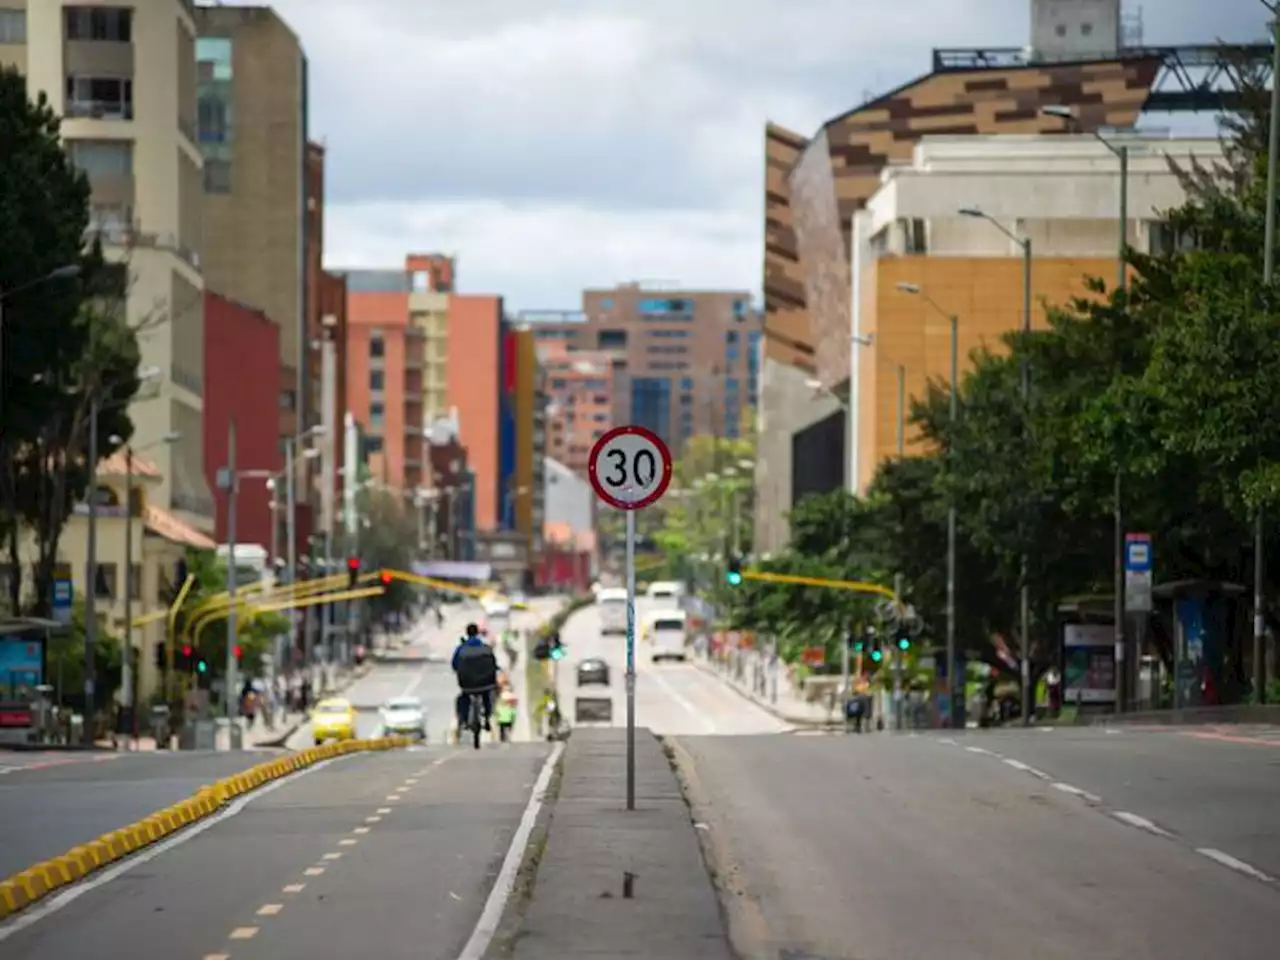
(619, 883)
(746, 673)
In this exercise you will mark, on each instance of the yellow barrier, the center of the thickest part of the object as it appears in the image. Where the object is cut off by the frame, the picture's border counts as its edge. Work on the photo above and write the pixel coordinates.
(41, 879)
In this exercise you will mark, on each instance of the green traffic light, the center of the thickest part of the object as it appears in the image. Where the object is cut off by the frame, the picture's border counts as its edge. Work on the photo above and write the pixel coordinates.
(735, 578)
(202, 666)
(876, 655)
(858, 647)
(903, 643)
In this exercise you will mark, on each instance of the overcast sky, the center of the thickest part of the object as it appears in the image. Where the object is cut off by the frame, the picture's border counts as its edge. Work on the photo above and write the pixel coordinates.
(553, 145)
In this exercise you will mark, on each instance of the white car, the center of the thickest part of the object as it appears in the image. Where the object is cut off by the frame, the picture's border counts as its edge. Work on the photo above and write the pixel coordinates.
(495, 605)
(404, 716)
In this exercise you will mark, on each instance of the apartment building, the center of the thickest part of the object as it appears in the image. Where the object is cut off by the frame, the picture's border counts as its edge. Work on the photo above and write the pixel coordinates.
(580, 400)
(262, 211)
(124, 79)
(936, 239)
(684, 361)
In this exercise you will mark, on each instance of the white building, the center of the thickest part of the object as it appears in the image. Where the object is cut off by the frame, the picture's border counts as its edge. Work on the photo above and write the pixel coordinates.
(124, 78)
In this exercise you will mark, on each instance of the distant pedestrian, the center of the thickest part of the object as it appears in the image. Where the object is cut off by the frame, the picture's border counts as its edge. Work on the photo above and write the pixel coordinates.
(505, 712)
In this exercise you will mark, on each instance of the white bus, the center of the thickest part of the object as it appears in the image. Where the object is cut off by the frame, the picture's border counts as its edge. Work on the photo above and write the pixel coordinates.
(253, 563)
(612, 602)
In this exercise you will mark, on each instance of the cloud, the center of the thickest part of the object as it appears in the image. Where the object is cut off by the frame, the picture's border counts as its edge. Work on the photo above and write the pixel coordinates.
(606, 116)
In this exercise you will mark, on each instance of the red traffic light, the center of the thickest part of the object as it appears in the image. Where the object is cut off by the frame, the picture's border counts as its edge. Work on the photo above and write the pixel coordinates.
(385, 578)
(236, 651)
(353, 563)
(186, 649)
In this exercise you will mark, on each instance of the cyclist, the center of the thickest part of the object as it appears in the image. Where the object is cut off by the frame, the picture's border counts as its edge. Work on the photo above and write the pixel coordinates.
(476, 667)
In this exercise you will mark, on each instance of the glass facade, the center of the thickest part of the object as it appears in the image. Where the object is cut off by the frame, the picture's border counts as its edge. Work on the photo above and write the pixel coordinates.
(214, 110)
(651, 405)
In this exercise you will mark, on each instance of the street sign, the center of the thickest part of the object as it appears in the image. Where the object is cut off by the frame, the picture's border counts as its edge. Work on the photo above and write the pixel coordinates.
(63, 593)
(629, 467)
(1138, 572)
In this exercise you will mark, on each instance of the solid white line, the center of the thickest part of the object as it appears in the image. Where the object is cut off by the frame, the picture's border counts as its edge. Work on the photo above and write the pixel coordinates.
(1142, 823)
(1232, 863)
(697, 714)
(491, 916)
(68, 896)
(1025, 768)
(1077, 792)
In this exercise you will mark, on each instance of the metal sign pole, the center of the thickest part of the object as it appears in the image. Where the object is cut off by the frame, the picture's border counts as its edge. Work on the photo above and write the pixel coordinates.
(631, 659)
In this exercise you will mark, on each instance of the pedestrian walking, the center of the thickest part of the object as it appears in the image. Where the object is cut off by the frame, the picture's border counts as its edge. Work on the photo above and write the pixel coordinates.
(505, 712)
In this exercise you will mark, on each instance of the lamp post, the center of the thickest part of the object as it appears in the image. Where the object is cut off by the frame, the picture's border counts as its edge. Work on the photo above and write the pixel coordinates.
(1121, 153)
(956, 689)
(1024, 600)
(129, 679)
(91, 557)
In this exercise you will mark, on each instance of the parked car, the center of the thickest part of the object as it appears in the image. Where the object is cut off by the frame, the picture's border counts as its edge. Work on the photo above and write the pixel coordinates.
(593, 672)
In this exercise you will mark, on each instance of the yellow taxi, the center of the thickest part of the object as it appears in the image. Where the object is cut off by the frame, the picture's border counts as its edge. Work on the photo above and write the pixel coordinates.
(333, 719)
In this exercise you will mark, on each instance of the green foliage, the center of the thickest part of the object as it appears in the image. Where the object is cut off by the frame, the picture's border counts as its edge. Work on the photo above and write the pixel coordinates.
(65, 339)
(65, 662)
(389, 542)
(255, 632)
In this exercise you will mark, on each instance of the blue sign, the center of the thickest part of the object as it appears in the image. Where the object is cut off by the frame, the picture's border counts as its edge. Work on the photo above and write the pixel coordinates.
(63, 593)
(1137, 553)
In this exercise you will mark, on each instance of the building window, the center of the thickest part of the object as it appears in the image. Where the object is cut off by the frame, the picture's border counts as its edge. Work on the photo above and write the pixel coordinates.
(213, 58)
(731, 337)
(612, 339)
(99, 23)
(606, 303)
(102, 98)
(377, 380)
(135, 581)
(372, 445)
(377, 413)
(421, 281)
(13, 26)
(287, 400)
(102, 158)
(217, 176)
(105, 588)
(377, 347)
(213, 118)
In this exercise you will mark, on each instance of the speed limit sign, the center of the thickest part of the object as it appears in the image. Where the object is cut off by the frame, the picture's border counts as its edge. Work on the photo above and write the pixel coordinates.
(630, 467)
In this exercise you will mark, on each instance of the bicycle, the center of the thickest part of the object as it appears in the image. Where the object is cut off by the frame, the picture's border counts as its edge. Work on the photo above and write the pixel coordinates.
(475, 712)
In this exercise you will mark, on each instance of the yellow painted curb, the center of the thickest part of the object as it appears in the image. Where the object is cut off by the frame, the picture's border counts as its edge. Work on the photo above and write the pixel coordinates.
(41, 879)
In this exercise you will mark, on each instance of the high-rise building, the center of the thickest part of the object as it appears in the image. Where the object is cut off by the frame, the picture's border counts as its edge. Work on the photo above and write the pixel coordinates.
(124, 79)
(253, 89)
(683, 362)
(580, 398)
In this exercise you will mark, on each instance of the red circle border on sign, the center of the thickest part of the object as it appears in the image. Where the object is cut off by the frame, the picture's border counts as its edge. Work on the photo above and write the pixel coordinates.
(663, 483)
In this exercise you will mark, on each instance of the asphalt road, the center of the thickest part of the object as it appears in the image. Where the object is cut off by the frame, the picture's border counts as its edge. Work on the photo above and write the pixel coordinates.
(890, 846)
(671, 698)
(374, 855)
(421, 669)
(50, 802)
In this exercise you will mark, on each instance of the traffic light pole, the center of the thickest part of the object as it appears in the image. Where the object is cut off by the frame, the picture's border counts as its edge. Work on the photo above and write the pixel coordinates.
(229, 678)
(898, 656)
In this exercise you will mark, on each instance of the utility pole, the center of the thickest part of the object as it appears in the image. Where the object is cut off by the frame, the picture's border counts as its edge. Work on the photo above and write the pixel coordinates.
(1024, 600)
(229, 677)
(956, 699)
(127, 676)
(91, 576)
(1122, 280)
(1269, 254)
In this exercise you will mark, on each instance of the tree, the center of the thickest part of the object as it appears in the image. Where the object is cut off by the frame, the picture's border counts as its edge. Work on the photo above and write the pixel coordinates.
(60, 347)
(389, 542)
(65, 661)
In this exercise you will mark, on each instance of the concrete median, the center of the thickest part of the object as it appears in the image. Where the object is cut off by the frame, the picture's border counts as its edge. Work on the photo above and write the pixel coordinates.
(38, 881)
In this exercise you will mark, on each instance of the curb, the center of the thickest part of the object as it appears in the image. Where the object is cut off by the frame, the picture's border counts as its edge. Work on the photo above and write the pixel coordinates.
(812, 722)
(42, 879)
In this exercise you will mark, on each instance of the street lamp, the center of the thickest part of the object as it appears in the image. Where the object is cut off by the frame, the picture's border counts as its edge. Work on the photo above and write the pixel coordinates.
(1122, 276)
(91, 556)
(128, 679)
(1024, 605)
(956, 700)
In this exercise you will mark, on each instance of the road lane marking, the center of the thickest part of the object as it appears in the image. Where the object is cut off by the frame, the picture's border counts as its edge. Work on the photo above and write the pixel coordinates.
(982, 750)
(1226, 860)
(1026, 768)
(347, 842)
(244, 933)
(360, 830)
(313, 871)
(332, 856)
(294, 887)
(1142, 823)
(693, 711)
(494, 906)
(1077, 792)
(373, 819)
(383, 811)
(217, 956)
(37, 912)
(947, 740)
(270, 909)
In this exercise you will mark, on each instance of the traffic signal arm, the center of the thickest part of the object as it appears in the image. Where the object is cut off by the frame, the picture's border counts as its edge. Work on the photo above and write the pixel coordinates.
(296, 604)
(857, 586)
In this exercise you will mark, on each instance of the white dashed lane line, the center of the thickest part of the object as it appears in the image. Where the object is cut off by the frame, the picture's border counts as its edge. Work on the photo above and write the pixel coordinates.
(1124, 816)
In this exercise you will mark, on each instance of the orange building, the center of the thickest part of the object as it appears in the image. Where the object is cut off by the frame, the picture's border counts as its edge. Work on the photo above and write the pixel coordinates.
(580, 401)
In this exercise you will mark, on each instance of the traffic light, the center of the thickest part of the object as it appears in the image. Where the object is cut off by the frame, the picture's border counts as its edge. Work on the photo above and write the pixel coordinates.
(202, 666)
(182, 658)
(353, 572)
(904, 643)
(557, 649)
(858, 646)
(543, 650)
(236, 651)
(734, 575)
(161, 655)
(385, 578)
(877, 654)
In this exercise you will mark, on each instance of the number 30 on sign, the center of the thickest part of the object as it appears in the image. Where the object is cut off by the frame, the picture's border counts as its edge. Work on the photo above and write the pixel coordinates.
(630, 467)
